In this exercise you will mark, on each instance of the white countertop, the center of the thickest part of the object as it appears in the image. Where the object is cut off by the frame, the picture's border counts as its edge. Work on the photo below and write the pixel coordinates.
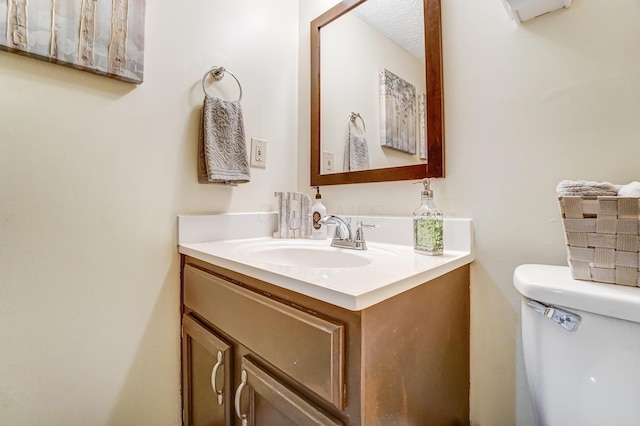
(391, 269)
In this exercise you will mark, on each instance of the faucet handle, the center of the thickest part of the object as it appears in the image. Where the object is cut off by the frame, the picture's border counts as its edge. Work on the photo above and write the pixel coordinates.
(343, 231)
(360, 232)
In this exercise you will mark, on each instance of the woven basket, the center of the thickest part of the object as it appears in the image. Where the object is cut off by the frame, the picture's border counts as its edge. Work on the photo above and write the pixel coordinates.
(602, 236)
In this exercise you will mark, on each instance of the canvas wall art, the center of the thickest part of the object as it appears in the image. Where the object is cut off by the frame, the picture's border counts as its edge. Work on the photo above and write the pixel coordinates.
(105, 37)
(397, 113)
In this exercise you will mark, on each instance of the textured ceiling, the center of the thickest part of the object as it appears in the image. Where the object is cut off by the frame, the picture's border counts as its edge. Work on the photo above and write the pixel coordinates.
(399, 20)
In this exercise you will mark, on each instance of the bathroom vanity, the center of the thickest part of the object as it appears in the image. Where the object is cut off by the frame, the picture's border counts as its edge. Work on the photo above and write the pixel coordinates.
(271, 343)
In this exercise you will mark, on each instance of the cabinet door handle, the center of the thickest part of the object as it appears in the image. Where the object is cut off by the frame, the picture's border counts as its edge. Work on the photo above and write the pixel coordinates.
(241, 416)
(214, 374)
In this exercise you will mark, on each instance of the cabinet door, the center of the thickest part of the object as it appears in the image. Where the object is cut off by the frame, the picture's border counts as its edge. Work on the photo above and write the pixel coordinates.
(207, 376)
(261, 400)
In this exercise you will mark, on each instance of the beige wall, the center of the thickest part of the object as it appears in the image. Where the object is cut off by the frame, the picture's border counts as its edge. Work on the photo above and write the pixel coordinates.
(525, 107)
(93, 172)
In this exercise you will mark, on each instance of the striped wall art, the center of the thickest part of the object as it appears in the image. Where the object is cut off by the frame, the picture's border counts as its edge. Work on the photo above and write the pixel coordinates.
(105, 37)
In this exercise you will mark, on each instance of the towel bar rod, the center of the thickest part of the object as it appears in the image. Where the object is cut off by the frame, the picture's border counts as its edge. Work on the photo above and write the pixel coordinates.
(217, 73)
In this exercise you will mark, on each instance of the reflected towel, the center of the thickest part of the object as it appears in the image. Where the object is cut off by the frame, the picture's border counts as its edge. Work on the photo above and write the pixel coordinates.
(356, 153)
(578, 188)
(222, 151)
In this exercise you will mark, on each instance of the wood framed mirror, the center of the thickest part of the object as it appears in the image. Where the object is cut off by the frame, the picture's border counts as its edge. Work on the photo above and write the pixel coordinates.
(433, 125)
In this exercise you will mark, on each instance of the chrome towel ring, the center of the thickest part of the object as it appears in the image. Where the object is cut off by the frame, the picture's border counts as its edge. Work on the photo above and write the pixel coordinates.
(218, 73)
(352, 120)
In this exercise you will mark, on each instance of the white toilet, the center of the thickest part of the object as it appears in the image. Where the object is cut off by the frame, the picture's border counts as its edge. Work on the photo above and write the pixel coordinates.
(581, 343)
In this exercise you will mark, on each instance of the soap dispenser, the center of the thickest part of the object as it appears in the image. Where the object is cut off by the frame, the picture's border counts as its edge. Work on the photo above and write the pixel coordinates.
(427, 224)
(318, 211)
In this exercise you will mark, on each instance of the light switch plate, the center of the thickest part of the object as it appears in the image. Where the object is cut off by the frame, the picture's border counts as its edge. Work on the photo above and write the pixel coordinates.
(258, 153)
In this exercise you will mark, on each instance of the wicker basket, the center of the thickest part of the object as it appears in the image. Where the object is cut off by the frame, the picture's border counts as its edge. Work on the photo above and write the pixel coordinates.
(602, 236)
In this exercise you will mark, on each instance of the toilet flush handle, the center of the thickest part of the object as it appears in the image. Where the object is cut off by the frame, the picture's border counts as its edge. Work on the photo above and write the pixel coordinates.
(568, 320)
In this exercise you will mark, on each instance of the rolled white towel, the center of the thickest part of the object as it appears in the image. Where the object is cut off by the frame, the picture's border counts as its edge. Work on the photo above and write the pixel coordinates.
(630, 190)
(579, 188)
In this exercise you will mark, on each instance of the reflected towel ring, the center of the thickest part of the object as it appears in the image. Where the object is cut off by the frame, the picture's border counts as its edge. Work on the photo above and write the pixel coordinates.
(352, 120)
(218, 73)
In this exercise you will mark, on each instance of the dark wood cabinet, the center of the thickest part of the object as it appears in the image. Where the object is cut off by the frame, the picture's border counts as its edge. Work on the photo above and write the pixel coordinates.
(257, 354)
(206, 376)
(270, 402)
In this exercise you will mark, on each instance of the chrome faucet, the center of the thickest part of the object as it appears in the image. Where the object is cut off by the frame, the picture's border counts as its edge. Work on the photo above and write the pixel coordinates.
(343, 235)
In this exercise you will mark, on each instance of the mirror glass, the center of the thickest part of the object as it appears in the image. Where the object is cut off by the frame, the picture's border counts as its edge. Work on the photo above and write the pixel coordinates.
(376, 92)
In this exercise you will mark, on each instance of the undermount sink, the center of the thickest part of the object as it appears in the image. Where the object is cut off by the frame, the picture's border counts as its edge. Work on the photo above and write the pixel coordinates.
(308, 255)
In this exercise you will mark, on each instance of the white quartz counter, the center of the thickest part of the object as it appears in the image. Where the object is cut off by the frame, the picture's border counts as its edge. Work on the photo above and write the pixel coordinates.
(389, 266)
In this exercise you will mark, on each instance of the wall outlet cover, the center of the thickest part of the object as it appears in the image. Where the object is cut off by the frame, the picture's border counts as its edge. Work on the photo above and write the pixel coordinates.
(327, 162)
(258, 153)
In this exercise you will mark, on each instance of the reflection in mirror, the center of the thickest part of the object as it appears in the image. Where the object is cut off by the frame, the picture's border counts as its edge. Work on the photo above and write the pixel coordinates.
(366, 65)
(373, 65)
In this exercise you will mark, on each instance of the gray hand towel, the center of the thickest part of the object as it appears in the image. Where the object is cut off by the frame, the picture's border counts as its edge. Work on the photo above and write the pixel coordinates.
(356, 153)
(222, 151)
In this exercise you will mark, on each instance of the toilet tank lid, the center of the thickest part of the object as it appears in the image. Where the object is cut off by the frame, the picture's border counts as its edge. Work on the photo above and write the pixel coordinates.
(553, 285)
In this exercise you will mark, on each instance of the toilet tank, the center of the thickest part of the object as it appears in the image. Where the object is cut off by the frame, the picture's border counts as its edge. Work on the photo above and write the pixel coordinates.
(581, 345)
